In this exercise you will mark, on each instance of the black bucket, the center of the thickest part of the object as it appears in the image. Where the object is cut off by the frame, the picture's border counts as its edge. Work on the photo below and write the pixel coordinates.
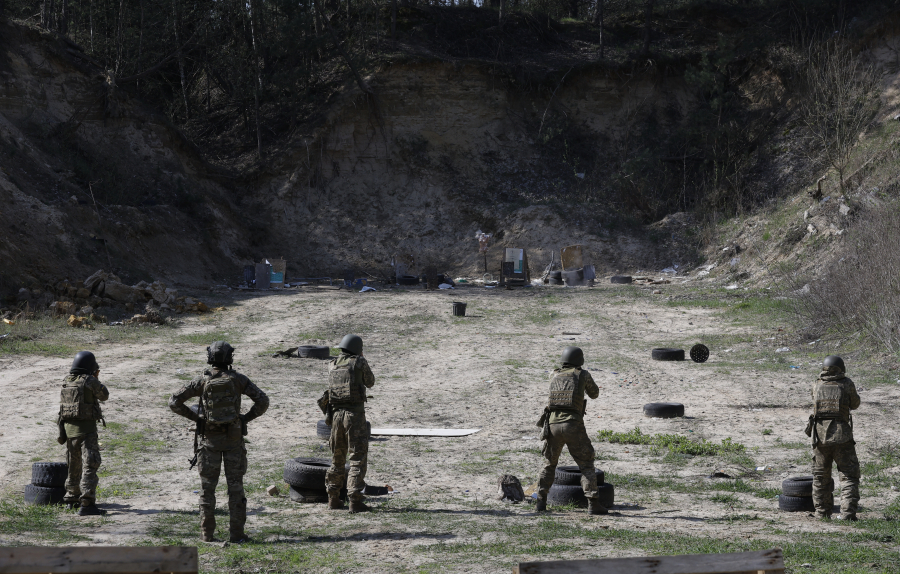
(459, 309)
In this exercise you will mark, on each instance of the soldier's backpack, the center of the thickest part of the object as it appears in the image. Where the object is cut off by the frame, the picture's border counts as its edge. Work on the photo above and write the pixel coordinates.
(831, 402)
(566, 391)
(76, 403)
(343, 388)
(221, 399)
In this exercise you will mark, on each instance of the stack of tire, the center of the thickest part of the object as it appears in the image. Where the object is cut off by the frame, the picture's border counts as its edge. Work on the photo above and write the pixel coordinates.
(323, 430)
(567, 489)
(48, 483)
(306, 479)
(796, 494)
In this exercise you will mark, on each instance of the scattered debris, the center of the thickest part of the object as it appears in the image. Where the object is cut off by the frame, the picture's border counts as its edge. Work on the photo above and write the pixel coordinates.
(423, 432)
(273, 490)
(9, 321)
(367, 289)
(77, 322)
(783, 350)
(285, 353)
(509, 488)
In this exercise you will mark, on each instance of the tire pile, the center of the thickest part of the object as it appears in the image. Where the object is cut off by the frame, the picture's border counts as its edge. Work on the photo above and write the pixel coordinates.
(567, 489)
(306, 479)
(796, 494)
(48, 483)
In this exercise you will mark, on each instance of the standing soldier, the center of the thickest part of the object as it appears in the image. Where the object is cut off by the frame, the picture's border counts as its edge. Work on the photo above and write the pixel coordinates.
(563, 424)
(349, 376)
(223, 427)
(831, 429)
(79, 411)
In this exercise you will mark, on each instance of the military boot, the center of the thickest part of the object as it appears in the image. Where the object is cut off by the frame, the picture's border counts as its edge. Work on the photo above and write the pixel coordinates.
(540, 504)
(90, 510)
(849, 517)
(358, 506)
(335, 502)
(594, 507)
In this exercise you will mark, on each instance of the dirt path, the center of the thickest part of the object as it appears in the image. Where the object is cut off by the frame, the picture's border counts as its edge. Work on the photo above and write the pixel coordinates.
(488, 371)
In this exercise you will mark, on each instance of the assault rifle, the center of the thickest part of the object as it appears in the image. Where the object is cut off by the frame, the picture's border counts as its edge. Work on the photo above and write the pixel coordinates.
(198, 430)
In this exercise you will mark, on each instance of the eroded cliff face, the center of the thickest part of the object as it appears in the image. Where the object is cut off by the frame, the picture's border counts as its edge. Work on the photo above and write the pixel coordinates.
(416, 171)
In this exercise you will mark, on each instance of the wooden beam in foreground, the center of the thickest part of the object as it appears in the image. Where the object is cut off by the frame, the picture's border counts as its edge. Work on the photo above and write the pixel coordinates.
(762, 562)
(98, 559)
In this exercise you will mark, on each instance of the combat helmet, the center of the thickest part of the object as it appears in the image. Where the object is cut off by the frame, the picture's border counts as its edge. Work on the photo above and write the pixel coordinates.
(352, 344)
(833, 361)
(219, 353)
(573, 356)
(84, 364)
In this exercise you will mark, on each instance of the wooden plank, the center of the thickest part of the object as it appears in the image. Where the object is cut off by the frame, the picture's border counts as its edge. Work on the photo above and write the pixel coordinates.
(737, 563)
(98, 559)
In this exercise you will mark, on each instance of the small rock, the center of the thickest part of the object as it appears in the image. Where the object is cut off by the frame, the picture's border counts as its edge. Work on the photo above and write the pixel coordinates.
(82, 293)
(811, 229)
(657, 292)
(844, 209)
(273, 491)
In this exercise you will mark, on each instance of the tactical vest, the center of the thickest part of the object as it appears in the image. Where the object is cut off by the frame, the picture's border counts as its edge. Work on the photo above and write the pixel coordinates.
(343, 387)
(77, 402)
(831, 402)
(567, 390)
(221, 399)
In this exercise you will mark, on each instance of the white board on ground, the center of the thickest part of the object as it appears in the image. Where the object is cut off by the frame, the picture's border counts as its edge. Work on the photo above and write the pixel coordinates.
(424, 432)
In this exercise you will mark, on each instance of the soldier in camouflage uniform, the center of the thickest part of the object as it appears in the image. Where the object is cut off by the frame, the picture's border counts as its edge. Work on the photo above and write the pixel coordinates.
(565, 427)
(223, 428)
(831, 430)
(79, 411)
(349, 376)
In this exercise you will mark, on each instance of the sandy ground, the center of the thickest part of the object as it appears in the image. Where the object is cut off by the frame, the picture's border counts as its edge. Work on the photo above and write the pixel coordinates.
(489, 371)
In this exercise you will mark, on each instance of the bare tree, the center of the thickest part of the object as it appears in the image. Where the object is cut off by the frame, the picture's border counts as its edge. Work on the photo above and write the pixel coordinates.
(839, 97)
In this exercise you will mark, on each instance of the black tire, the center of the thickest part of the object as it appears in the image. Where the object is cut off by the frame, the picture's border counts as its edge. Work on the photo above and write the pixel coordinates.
(556, 275)
(555, 281)
(667, 354)
(408, 280)
(323, 430)
(699, 353)
(797, 486)
(307, 495)
(664, 410)
(49, 474)
(562, 494)
(308, 473)
(313, 352)
(620, 279)
(571, 475)
(42, 495)
(796, 503)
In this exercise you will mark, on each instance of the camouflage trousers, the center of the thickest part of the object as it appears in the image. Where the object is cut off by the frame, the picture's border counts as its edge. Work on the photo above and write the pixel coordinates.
(209, 463)
(844, 455)
(573, 435)
(349, 442)
(83, 456)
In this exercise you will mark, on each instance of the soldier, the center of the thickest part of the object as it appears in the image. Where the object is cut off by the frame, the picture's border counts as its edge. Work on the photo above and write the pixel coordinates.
(79, 411)
(349, 376)
(563, 423)
(831, 429)
(223, 427)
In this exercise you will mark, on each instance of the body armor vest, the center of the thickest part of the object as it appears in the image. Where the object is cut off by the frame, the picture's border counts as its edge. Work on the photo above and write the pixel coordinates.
(831, 402)
(567, 391)
(221, 399)
(343, 388)
(77, 403)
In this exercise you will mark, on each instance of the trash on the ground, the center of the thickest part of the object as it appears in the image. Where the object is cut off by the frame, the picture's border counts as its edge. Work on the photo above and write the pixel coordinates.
(783, 350)
(669, 270)
(285, 353)
(718, 474)
(273, 490)
(445, 286)
(731, 287)
(657, 292)
(423, 432)
(531, 489)
(763, 468)
(509, 488)
(9, 322)
(116, 323)
(5, 335)
(366, 289)
(734, 261)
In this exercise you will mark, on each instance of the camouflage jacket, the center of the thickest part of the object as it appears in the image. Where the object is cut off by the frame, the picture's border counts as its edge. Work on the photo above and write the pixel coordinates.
(836, 431)
(590, 389)
(363, 374)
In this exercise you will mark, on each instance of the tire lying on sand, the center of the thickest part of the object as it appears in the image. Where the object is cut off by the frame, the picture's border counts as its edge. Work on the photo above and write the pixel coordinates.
(796, 503)
(323, 430)
(49, 474)
(562, 494)
(571, 475)
(664, 410)
(699, 353)
(43, 495)
(620, 279)
(307, 495)
(665, 354)
(313, 352)
(797, 486)
(307, 473)
(408, 280)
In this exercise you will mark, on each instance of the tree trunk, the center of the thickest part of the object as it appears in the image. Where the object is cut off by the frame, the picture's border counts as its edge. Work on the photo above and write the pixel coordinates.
(187, 109)
(648, 8)
(254, 30)
(64, 18)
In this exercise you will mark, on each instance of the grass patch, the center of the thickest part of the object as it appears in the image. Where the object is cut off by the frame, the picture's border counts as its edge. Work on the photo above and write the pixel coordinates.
(37, 522)
(675, 443)
(119, 441)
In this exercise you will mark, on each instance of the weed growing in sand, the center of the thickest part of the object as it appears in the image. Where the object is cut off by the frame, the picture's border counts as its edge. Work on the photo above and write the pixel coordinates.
(675, 443)
(39, 523)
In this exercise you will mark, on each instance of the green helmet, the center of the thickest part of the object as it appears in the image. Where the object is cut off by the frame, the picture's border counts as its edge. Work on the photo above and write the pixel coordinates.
(573, 356)
(352, 344)
(219, 353)
(833, 361)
